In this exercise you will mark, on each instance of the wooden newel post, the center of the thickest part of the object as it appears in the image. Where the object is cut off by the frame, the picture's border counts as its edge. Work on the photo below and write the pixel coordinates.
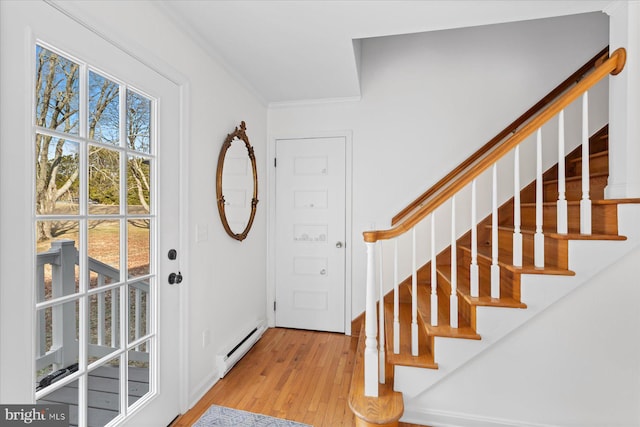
(64, 316)
(371, 329)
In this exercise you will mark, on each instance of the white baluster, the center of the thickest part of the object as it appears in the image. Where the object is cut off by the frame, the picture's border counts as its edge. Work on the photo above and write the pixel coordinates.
(381, 343)
(562, 210)
(434, 276)
(41, 334)
(63, 316)
(453, 299)
(396, 301)
(115, 303)
(101, 318)
(474, 275)
(585, 203)
(538, 239)
(371, 343)
(517, 235)
(414, 297)
(138, 313)
(495, 268)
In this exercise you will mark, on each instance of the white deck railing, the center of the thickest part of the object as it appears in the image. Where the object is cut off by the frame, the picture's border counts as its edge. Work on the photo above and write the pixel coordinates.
(443, 203)
(104, 336)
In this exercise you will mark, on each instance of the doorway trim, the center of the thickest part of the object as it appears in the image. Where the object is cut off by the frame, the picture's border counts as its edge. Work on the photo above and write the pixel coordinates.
(271, 218)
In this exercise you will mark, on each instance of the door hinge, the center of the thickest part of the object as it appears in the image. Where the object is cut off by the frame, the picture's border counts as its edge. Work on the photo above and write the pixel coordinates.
(275, 162)
(274, 306)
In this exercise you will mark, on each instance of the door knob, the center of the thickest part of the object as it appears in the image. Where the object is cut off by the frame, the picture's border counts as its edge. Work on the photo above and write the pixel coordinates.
(339, 245)
(175, 279)
(323, 271)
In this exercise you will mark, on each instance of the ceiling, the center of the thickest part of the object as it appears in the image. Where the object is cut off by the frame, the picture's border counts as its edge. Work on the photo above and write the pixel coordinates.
(291, 51)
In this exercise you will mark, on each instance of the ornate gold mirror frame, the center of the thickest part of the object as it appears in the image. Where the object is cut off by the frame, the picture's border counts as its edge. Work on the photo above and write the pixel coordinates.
(238, 134)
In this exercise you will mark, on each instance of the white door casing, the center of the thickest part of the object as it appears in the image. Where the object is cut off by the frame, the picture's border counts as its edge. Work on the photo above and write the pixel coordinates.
(28, 24)
(310, 233)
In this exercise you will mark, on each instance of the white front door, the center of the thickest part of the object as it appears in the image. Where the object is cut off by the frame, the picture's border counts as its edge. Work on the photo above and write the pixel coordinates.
(310, 233)
(101, 204)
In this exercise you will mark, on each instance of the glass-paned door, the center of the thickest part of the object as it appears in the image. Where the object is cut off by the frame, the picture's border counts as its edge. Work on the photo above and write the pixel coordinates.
(95, 210)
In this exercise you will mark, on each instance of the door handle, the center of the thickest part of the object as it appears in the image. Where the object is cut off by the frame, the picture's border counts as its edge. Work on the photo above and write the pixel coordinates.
(339, 245)
(175, 279)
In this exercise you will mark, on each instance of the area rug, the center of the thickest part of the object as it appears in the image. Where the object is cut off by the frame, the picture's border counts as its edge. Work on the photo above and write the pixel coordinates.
(219, 416)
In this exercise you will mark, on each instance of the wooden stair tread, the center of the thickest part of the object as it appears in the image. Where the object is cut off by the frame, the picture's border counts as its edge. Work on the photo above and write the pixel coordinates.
(576, 178)
(443, 329)
(464, 290)
(446, 331)
(630, 200)
(603, 153)
(602, 202)
(484, 253)
(567, 236)
(425, 358)
(387, 408)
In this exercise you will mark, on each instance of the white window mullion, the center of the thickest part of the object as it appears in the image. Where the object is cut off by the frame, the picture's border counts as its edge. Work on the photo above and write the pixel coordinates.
(83, 245)
(124, 261)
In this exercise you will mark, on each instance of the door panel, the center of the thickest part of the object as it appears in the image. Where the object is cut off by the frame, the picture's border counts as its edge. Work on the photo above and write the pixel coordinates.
(137, 306)
(310, 234)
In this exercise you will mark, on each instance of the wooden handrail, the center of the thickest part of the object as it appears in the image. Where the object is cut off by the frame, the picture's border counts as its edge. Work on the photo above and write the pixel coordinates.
(567, 83)
(613, 65)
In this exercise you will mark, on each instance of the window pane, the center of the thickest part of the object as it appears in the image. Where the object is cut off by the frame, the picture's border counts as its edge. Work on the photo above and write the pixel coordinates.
(138, 185)
(138, 247)
(104, 252)
(139, 310)
(66, 395)
(104, 323)
(104, 181)
(104, 114)
(57, 168)
(57, 272)
(138, 372)
(138, 122)
(56, 343)
(104, 393)
(57, 92)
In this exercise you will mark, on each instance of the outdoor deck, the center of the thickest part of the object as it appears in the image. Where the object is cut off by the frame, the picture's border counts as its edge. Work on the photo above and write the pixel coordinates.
(104, 394)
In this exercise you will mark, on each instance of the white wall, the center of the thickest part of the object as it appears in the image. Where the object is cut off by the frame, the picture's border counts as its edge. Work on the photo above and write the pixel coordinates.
(576, 364)
(624, 180)
(224, 279)
(430, 100)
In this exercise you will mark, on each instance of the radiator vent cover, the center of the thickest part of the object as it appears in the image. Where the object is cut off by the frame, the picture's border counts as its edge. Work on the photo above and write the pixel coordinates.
(234, 352)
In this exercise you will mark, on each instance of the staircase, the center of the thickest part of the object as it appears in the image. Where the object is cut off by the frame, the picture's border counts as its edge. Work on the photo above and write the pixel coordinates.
(444, 314)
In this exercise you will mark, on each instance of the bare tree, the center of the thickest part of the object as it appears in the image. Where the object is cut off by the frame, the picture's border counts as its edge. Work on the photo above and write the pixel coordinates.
(138, 137)
(57, 108)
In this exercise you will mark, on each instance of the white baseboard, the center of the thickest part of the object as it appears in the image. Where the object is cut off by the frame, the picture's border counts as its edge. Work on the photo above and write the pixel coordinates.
(201, 389)
(437, 418)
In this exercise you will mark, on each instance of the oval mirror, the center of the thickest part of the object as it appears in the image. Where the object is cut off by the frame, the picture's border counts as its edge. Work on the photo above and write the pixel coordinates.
(237, 184)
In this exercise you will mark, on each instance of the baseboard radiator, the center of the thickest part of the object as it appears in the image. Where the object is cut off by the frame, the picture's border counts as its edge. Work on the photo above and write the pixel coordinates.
(233, 353)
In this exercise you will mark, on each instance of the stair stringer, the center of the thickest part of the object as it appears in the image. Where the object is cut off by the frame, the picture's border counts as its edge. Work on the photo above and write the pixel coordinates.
(586, 258)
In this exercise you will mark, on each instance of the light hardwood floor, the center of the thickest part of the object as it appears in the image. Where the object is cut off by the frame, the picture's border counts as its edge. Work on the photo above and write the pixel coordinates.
(299, 375)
